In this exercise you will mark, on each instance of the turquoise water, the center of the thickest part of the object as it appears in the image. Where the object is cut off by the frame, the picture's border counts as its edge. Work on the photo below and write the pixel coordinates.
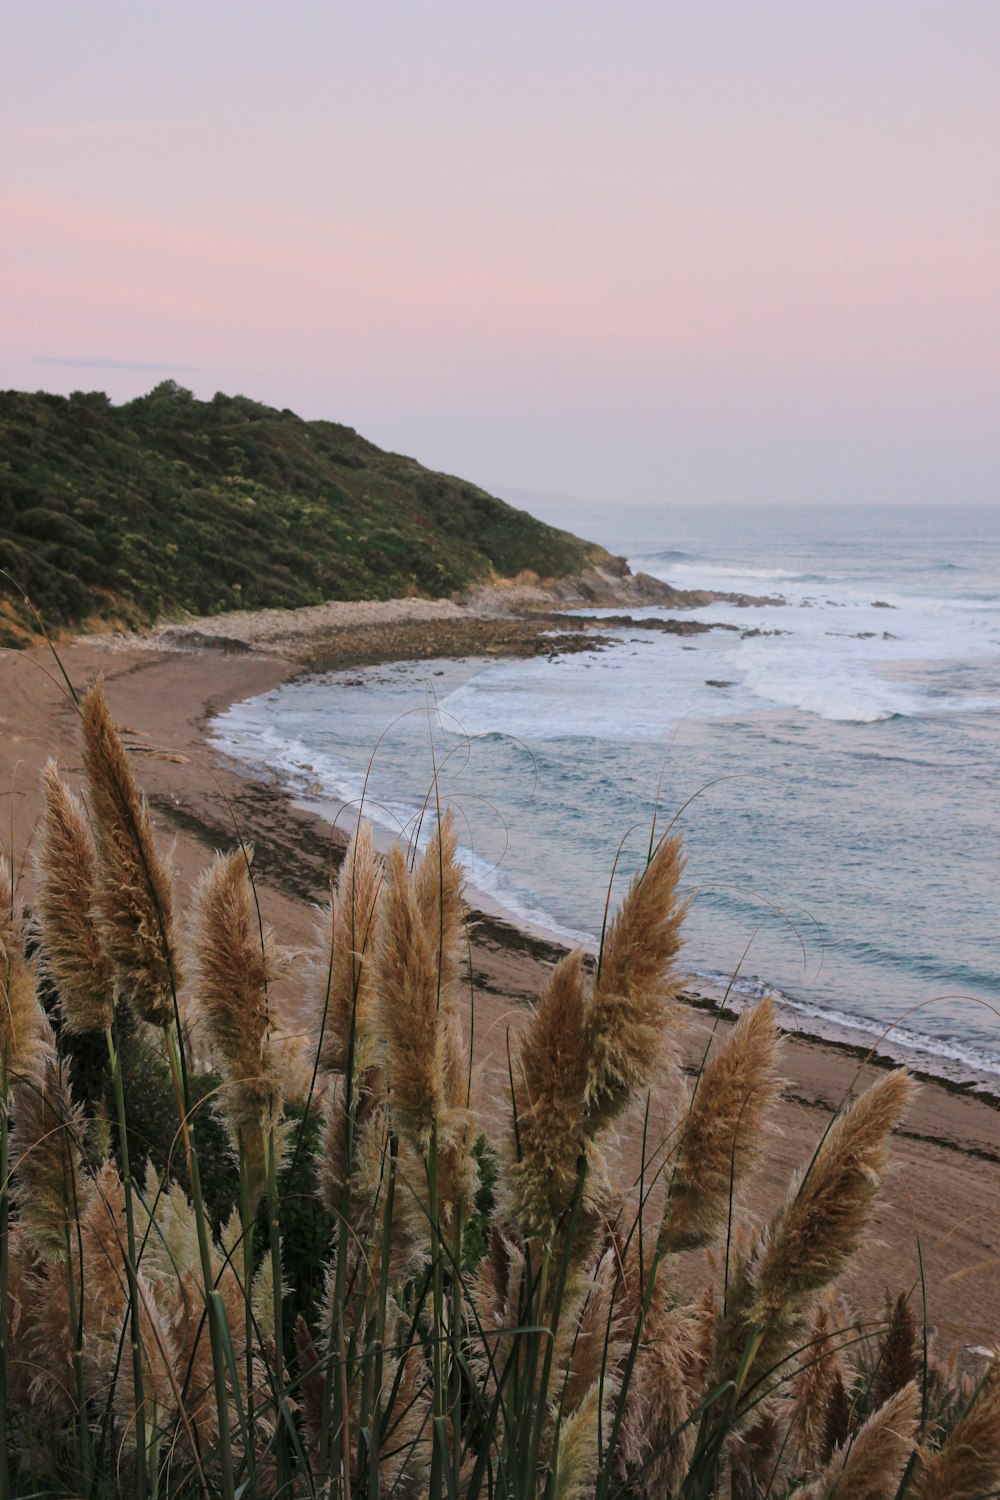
(838, 791)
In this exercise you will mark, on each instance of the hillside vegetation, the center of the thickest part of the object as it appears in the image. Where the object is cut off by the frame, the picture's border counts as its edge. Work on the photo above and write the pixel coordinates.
(169, 504)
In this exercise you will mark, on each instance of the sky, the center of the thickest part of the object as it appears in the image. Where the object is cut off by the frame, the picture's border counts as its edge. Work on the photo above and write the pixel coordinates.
(648, 253)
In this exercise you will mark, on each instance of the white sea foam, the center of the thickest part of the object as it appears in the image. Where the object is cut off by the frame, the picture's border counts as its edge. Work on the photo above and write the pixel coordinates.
(931, 1054)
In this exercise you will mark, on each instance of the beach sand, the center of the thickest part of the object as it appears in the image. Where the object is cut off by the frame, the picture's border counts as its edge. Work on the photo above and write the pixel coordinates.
(943, 1190)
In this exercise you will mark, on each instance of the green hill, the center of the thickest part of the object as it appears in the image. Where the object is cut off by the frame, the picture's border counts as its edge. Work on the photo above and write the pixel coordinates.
(169, 504)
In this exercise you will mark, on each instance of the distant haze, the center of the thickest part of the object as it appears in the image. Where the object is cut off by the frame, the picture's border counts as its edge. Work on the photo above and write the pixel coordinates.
(649, 254)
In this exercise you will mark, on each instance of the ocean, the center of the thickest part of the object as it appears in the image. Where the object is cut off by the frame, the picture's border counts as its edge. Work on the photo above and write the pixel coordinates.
(831, 760)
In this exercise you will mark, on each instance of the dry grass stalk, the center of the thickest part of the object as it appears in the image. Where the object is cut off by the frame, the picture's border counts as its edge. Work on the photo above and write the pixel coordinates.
(20, 1039)
(345, 969)
(967, 1466)
(74, 958)
(135, 893)
(551, 1068)
(234, 957)
(724, 1132)
(630, 1009)
(870, 1465)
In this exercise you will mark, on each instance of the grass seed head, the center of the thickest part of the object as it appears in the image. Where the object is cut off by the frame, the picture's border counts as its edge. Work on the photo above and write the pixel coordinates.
(967, 1465)
(344, 970)
(631, 1005)
(22, 1030)
(74, 957)
(821, 1222)
(724, 1132)
(135, 892)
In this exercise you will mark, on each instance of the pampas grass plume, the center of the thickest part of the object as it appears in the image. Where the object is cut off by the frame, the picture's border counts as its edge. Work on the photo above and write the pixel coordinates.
(234, 962)
(552, 1070)
(345, 974)
(636, 983)
(135, 894)
(50, 1184)
(74, 958)
(724, 1132)
(870, 1465)
(20, 1037)
(408, 1004)
(821, 1223)
(967, 1466)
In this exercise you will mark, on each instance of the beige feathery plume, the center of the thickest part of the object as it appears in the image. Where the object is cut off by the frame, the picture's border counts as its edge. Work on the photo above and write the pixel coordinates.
(344, 969)
(593, 1337)
(821, 1223)
(20, 1015)
(24, 1279)
(551, 1064)
(724, 1131)
(49, 1184)
(191, 1337)
(967, 1465)
(496, 1293)
(425, 1058)
(405, 1400)
(135, 893)
(98, 1269)
(369, 1176)
(660, 1399)
(812, 1387)
(575, 1460)
(813, 1235)
(408, 1005)
(870, 1465)
(73, 954)
(664, 1377)
(438, 887)
(631, 1002)
(104, 1242)
(167, 1228)
(234, 957)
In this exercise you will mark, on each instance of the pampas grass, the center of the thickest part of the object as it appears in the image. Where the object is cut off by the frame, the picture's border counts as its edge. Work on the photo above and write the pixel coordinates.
(470, 1323)
(725, 1130)
(74, 958)
(20, 1036)
(135, 889)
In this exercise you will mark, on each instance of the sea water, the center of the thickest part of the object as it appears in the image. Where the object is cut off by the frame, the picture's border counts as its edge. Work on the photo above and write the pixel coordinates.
(832, 762)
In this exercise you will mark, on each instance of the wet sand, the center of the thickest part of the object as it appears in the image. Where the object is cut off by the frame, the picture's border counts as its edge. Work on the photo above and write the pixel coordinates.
(944, 1186)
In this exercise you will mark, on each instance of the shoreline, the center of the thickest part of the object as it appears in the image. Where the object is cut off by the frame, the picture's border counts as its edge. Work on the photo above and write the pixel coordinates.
(947, 1155)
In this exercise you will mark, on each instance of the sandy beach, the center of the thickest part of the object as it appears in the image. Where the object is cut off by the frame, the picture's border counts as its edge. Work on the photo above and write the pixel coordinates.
(164, 689)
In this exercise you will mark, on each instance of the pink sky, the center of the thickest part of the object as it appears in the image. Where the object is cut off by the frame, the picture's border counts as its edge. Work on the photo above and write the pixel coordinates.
(657, 252)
